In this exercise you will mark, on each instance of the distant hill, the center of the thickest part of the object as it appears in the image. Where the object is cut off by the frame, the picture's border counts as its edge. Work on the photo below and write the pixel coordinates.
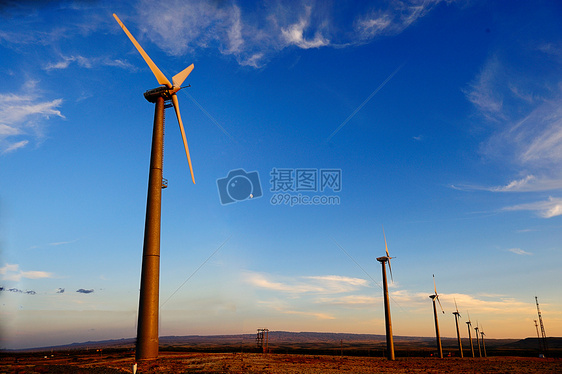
(320, 343)
(533, 343)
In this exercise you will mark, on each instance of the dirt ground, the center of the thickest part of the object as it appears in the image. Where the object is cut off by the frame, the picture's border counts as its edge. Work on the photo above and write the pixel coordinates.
(171, 362)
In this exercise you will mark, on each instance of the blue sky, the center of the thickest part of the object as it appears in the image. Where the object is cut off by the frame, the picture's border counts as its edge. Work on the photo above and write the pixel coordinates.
(444, 118)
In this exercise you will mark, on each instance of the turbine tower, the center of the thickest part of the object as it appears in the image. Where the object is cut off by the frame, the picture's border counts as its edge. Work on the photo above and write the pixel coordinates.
(469, 325)
(388, 323)
(457, 316)
(483, 344)
(147, 327)
(478, 341)
(434, 297)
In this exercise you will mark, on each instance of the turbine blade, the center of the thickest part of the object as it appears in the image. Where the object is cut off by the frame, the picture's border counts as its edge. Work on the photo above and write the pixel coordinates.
(160, 77)
(441, 306)
(387, 255)
(434, 285)
(177, 108)
(178, 79)
(456, 307)
(385, 246)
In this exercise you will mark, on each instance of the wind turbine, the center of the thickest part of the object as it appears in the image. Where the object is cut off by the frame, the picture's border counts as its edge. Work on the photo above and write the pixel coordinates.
(388, 323)
(457, 315)
(469, 325)
(483, 344)
(147, 328)
(478, 341)
(434, 297)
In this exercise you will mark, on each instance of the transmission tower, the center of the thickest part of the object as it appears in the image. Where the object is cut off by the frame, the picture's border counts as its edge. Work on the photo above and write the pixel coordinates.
(260, 339)
(543, 333)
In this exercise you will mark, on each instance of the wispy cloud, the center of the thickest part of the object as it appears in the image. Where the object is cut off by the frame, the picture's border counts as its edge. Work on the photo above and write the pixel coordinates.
(307, 284)
(294, 34)
(489, 304)
(393, 19)
(529, 183)
(351, 301)
(23, 117)
(253, 34)
(545, 209)
(12, 272)
(87, 63)
(280, 307)
(482, 91)
(519, 251)
(55, 244)
(524, 115)
(82, 290)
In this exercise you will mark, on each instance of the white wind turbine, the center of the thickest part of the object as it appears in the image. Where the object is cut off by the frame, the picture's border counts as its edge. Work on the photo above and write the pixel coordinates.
(477, 340)
(434, 297)
(483, 344)
(147, 328)
(389, 339)
(457, 316)
(469, 325)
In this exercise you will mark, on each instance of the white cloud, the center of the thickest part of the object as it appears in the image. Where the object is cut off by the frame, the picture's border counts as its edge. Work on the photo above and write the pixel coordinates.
(529, 183)
(374, 25)
(12, 272)
(87, 63)
(483, 93)
(307, 284)
(309, 314)
(253, 34)
(489, 304)
(519, 251)
(294, 34)
(15, 146)
(351, 301)
(524, 114)
(284, 309)
(394, 19)
(23, 116)
(545, 209)
(516, 185)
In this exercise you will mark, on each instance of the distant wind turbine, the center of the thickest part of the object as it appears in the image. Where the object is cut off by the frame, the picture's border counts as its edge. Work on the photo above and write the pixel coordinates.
(469, 325)
(434, 297)
(147, 328)
(389, 340)
(483, 344)
(457, 316)
(478, 341)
